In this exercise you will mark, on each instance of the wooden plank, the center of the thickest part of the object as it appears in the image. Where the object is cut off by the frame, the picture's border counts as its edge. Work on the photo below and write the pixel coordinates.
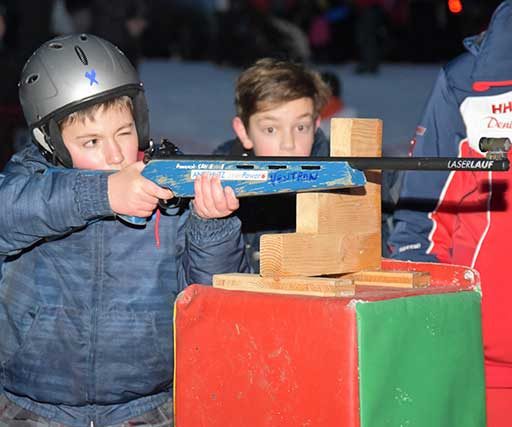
(389, 278)
(342, 211)
(357, 209)
(316, 286)
(297, 254)
(356, 137)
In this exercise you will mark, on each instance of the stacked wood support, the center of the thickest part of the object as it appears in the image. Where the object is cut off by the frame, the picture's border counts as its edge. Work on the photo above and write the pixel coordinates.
(338, 233)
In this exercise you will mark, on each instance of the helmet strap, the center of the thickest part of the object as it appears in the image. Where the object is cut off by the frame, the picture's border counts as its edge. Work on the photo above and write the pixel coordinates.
(60, 152)
(140, 109)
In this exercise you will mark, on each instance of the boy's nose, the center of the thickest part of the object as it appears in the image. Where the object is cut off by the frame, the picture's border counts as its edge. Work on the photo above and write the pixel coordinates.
(287, 142)
(113, 153)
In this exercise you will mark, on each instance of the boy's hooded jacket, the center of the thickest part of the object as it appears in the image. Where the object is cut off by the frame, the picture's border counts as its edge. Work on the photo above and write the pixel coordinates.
(466, 217)
(86, 302)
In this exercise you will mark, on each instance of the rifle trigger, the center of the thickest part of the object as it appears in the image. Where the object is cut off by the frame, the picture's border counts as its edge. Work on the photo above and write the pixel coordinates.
(174, 202)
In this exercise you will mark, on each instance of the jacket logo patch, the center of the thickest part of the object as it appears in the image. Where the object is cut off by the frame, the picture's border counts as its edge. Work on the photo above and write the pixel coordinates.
(502, 108)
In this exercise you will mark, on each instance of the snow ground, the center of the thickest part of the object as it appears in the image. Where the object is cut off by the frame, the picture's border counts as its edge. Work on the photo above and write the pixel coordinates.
(191, 103)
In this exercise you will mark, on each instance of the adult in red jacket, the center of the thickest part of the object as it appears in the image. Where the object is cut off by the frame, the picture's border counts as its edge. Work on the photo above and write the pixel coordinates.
(466, 217)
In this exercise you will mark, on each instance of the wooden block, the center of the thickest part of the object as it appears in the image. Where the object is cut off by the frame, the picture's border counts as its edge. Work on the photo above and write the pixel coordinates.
(351, 210)
(295, 254)
(393, 279)
(312, 286)
(356, 137)
(338, 212)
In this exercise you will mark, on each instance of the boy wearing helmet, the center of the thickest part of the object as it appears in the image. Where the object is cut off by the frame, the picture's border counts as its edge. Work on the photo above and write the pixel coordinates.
(278, 105)
(85, 299)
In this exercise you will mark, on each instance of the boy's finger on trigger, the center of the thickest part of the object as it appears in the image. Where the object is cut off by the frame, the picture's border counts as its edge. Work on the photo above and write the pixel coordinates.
(156, 191)
(165, 194)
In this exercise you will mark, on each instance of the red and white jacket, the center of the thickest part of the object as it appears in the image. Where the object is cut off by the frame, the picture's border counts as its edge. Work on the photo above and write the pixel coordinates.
(465, 218)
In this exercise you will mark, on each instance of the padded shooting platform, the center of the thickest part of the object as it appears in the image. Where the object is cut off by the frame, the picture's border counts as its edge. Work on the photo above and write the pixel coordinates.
(381, 357)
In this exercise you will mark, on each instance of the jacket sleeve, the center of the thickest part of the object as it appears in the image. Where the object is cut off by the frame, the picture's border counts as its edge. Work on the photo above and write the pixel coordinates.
(438, 135)
(44, 203)
(207, 247)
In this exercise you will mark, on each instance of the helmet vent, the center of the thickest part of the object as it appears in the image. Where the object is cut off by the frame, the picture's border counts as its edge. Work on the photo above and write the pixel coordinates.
(81, 55)
(55, 45)
(32, 79)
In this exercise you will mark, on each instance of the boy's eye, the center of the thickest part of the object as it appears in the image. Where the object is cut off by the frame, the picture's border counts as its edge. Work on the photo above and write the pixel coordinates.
(91, 143)
(126, 132)
(303, 128)
(270, 130)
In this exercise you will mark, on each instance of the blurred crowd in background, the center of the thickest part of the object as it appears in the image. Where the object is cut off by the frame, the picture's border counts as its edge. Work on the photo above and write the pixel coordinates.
(332, 31)
(237, 32)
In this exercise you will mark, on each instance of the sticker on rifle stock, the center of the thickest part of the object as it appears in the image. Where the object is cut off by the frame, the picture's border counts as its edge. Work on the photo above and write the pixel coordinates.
(232, 175)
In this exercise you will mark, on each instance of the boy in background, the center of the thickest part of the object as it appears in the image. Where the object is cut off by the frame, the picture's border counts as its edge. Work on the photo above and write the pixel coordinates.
(86, 301)
(278, 105)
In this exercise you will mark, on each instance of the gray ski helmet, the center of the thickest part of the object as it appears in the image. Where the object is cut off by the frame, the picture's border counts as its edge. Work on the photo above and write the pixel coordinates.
(70, 73)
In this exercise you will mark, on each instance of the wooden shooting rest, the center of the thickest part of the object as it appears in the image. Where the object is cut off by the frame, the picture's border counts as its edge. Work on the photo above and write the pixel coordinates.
(337, 243)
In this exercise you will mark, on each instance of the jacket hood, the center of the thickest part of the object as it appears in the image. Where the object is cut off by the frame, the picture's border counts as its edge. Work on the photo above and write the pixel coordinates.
(492, 48)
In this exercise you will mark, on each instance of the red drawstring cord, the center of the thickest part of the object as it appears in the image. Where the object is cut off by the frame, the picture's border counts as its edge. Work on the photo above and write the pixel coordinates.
(140, 156)
(157, 232)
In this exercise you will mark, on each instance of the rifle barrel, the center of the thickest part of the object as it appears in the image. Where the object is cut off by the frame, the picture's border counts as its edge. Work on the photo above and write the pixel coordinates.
(369, 163)
(497, 149)
(429, 163)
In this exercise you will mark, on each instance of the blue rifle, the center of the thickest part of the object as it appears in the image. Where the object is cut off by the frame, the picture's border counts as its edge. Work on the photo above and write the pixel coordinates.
(169, 168)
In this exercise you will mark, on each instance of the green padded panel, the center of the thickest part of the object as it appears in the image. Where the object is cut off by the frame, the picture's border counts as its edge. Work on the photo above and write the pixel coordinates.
(421, 361)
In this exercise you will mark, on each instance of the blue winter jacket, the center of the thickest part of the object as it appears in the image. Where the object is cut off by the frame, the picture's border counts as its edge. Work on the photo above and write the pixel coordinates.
(86, 301)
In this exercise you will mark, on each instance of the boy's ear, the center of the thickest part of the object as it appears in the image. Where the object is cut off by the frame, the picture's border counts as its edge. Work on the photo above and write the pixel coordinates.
(241, 133)
(317, 122)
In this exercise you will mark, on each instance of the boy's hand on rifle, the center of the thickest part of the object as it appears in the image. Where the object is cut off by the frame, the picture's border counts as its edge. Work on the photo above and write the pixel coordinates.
(211, 200)
(129, 193)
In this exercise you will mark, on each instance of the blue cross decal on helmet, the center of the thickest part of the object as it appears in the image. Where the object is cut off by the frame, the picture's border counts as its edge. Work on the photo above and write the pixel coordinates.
(91, 75)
